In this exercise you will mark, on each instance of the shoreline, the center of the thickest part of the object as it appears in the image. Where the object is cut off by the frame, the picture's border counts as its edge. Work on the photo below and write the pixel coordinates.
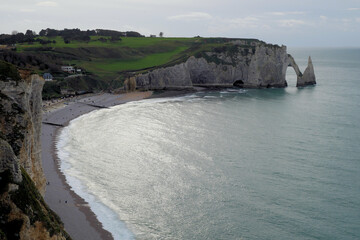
(78, 218)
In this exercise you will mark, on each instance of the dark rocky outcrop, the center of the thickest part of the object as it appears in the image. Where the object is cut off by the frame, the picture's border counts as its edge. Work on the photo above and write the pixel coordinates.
(256, 65)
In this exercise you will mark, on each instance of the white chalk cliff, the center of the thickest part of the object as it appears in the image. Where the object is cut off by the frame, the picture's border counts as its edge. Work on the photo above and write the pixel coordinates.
(23, 212)
(257, 65)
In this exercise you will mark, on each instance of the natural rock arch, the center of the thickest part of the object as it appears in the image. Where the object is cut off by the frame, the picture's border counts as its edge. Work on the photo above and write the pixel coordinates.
(262, 68)
(308, 78)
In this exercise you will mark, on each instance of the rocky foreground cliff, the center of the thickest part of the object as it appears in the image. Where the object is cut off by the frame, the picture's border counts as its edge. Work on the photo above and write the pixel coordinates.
(23, 212)
(240, 63)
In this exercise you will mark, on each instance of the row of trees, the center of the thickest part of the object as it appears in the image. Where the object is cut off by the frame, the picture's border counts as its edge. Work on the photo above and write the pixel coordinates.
(67, 34)
(15, 37)
(43, 61)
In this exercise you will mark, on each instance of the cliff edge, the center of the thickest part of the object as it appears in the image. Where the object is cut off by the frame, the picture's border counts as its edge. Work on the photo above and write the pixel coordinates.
(240, 63)
(20, 119)
(24, 214)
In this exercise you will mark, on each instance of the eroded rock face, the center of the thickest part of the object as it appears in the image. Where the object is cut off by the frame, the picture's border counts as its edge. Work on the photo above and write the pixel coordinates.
(23, 212)
(308, 78)
(258, 65)
(177, 76)
(9, 161)
(20, 120)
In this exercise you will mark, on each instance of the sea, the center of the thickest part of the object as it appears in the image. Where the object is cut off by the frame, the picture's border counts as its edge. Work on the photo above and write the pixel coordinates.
(227, 164)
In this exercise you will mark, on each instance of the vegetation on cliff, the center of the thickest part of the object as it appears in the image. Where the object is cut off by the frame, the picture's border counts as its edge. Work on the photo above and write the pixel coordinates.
(108, 57)
(25, 206)
(7, 71)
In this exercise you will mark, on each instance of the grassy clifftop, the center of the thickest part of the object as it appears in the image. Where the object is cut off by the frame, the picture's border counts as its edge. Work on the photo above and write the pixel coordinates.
(109, 61)
(106, 58)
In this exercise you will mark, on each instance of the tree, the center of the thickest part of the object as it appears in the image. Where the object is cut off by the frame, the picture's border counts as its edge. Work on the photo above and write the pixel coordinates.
(161, 34)
(42, 32)
(14, 32)
(29, 33)
(133, 34)
(115, 38)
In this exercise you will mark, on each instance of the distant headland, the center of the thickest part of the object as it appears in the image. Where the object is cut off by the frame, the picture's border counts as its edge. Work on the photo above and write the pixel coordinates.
(75, 61)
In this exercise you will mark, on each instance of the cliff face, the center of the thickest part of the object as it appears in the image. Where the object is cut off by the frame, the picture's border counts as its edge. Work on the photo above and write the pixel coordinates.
(23, 212)
(20, 119)
(257, 65)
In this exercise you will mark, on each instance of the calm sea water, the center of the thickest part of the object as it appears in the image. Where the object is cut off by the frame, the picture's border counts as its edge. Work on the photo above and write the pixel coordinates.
(251, 164)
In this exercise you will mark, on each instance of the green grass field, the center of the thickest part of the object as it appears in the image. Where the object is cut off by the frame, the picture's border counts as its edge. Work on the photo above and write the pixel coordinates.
(107, 63)
(107, 59)
(131, 42)
(151, 60)
(110, 61)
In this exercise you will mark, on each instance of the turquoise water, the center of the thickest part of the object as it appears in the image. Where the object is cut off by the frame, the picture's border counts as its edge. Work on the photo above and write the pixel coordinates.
(251, 164)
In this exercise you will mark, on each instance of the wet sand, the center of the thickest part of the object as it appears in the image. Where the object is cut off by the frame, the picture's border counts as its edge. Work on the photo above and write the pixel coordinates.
(79, 221)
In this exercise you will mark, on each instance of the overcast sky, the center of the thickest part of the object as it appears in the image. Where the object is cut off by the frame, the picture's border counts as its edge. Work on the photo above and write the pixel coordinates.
(292, 23)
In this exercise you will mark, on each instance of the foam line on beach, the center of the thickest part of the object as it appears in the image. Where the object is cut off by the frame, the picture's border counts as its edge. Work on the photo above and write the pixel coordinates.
(80, 222)
(106, 216)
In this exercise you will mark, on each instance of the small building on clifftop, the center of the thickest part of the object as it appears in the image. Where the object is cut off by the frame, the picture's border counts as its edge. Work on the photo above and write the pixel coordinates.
(69, 69)
(47, 77)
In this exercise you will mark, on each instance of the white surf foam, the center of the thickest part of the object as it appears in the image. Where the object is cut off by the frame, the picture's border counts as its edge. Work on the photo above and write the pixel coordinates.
(105, 215)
